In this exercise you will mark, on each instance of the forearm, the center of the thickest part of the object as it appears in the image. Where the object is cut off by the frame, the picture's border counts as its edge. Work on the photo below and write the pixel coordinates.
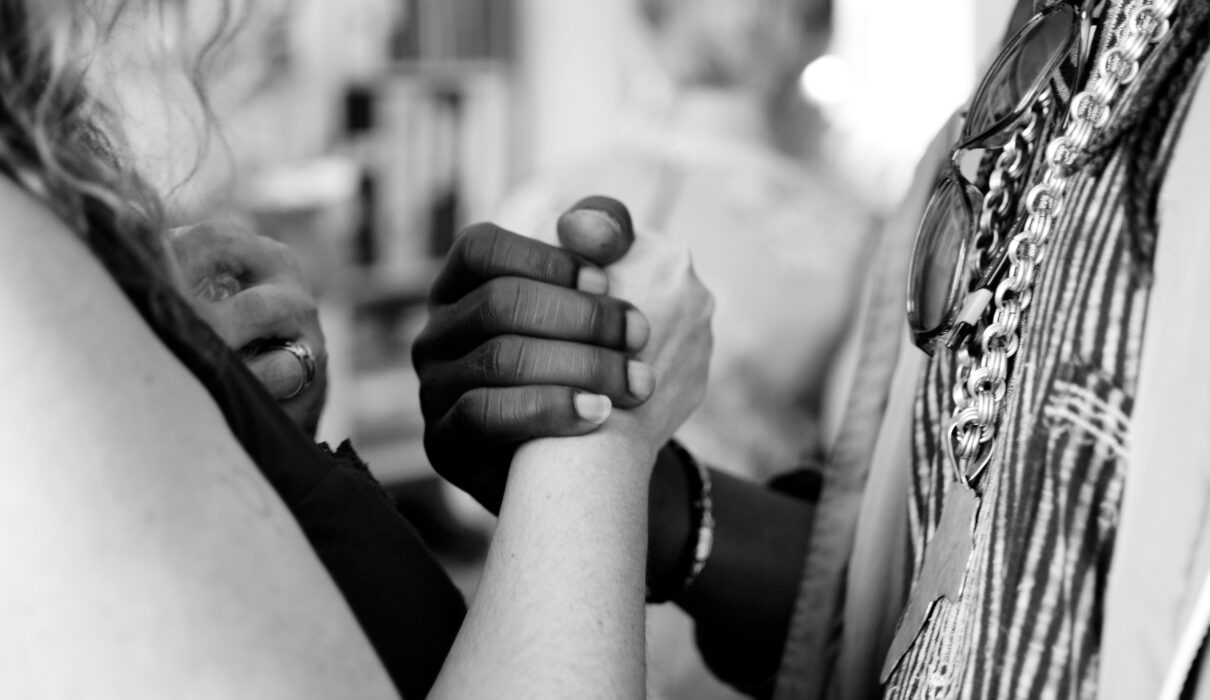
(562, 592)
(743, 600)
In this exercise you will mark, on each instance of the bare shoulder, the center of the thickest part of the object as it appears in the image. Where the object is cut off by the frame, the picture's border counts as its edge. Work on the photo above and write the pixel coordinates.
(71, 336)
(121, 473)
(79, 366)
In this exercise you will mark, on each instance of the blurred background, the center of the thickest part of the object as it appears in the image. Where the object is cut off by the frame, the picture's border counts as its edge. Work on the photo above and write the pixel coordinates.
(771, 135)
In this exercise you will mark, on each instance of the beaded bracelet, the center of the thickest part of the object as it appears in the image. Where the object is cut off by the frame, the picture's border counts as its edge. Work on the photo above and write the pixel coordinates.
(697, 551)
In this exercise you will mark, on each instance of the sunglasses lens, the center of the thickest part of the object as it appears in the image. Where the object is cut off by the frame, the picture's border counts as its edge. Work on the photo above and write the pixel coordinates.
(938, 257)
(1047, 50)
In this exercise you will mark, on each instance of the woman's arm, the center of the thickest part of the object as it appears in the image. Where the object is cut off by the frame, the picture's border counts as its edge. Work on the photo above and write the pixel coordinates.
(144, 555)
(745, 594)
(559, 612)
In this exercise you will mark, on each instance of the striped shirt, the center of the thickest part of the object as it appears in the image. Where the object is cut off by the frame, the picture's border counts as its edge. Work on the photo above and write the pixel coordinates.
(1028, 621)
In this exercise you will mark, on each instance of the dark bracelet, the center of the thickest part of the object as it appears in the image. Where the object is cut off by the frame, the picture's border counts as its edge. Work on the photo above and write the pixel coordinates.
(697, 550)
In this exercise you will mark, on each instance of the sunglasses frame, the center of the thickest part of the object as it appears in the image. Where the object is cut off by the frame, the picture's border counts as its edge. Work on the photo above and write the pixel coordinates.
(972, 196)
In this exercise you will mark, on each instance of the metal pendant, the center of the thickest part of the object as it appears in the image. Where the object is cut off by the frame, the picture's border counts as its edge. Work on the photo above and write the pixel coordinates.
(941, 574)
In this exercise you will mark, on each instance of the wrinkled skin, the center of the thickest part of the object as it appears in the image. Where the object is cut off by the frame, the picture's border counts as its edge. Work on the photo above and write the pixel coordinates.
(522, 340)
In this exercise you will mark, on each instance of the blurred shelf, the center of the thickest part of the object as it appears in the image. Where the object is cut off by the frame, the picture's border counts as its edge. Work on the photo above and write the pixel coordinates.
(402, 284)
(388, 427)
(396, 462)
(455, 29)
(442, 70)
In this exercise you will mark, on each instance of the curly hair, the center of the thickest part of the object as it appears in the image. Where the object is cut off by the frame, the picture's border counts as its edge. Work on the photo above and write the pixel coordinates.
(58, 140)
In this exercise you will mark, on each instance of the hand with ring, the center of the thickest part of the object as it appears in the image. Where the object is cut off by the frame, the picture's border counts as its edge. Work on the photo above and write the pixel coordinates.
(250, 290)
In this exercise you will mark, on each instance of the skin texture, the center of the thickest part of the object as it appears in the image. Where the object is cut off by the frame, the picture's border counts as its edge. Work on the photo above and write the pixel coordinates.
(580, 613)
(743, 600)
(200, 572)
(141, 543)
(250, 290)
(520, 340)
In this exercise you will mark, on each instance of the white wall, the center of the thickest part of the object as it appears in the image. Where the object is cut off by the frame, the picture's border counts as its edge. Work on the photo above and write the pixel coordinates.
(912, 64)
(569, 79)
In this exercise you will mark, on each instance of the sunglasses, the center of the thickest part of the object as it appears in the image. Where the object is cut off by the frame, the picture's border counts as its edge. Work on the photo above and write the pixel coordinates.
(1035, 74)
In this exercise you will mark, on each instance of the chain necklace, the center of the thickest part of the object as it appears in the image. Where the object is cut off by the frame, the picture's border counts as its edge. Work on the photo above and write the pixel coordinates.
(981, 384)
(980, 391)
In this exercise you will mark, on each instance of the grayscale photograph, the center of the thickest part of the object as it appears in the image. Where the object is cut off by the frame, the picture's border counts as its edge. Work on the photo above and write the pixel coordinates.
(604, 349)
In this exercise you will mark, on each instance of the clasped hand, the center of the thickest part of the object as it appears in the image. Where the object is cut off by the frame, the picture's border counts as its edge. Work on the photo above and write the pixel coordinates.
(251, 291)
(527, 339)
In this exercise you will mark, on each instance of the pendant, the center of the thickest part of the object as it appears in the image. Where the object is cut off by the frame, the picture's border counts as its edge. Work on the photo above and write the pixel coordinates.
(941, 574)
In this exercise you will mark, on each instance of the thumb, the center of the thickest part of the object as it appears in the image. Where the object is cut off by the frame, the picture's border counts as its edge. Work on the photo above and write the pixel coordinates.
(598, 229)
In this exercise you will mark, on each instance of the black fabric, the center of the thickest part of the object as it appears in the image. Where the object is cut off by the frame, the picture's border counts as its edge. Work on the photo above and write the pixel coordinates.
(403, 599)
(803, 483)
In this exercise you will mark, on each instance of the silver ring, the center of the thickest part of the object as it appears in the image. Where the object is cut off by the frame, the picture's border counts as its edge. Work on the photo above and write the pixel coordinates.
(302, 352)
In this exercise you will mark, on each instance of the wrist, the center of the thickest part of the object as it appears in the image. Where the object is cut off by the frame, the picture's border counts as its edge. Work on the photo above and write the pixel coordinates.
(605, 463)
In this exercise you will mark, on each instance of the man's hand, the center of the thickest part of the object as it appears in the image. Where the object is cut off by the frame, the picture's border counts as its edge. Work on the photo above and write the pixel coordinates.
(250, 290)
(522, 343)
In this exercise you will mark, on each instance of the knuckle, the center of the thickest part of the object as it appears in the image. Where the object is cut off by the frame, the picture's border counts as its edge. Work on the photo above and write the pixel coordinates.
(552, 267)
(458, 248)
(606, 321)
(488, 410)
(497, 307)
(254, 306)
(525, 407)
(499, 361)
(603, 369)
(474, 245)
(595, 318)
(541, 408)
(498, 248)
(550, 264)
(469, 414)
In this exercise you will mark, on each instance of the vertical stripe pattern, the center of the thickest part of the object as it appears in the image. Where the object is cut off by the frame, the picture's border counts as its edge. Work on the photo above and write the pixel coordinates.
(1027, 624)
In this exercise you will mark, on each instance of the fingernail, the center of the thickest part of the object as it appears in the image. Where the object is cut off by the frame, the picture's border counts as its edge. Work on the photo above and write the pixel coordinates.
(593, 408)
(594, 234)
(637, 330)
(594, 222)
(592, 281)
(641, 378)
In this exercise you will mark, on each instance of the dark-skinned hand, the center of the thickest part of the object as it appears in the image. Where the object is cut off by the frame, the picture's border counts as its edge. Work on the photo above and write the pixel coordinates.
(522, 341)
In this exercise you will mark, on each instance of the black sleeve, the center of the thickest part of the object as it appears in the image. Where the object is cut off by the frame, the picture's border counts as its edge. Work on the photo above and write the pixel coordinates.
(803, 483)
(405, 602)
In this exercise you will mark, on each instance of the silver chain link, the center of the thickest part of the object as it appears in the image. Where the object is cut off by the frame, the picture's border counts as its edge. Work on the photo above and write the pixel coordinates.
(982, 383)
(1010, 165)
